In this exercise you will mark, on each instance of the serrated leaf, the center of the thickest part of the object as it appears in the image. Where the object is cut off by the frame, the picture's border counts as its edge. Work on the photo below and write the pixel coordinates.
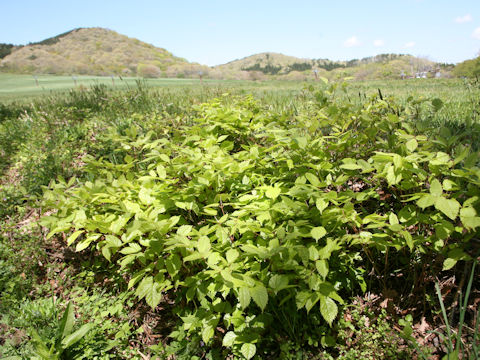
(244, 297)
(229, 339)
(318, 232)
(322, 267)
(173, 264)
(259, 295)
(150, 290)
(273, 192)
(449, 207)
(248, 350)
(328, 309)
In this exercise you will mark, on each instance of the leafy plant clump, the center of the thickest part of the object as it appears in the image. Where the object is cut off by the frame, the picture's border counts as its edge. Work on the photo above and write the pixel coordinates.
(256, 224)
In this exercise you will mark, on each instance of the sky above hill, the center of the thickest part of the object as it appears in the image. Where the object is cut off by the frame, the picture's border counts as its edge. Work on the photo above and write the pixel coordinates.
(215, 32)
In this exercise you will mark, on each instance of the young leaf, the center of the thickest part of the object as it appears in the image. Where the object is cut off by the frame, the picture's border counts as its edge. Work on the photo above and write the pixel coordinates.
(248, 350)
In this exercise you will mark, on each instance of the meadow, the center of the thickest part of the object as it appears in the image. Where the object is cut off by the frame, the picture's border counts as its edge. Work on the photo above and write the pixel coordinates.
(173, 219)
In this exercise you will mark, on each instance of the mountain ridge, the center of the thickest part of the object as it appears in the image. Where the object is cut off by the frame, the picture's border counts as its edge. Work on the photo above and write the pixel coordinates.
(100, 51)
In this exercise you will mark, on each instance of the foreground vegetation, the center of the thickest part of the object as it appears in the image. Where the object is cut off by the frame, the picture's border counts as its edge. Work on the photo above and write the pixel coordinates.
(290, 222)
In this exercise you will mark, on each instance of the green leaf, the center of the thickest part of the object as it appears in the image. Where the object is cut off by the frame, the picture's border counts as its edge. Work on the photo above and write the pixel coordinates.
(204, 245)
(150, 290)
(74, 237)
(173, 264)
(393, 219)
(229, 339)
(259, 294)
(273, 192)
(313, 179)
(244, 297)
(278, 282)
(350, 166)
(321, 205)
(426, 201)
(318, 232)
(78, 335)
(469, 218)
(449, 207)
(437, 104)
(144, 196)
(436, 188)
(448, 263)
(411, 144)
(232, 255)
(207, 333)
(322, 267)
(248, 350)
(328, 309)
(67, 321)
(184, 230)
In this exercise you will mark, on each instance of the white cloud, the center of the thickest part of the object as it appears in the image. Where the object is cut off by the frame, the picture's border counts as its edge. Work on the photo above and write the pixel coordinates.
(463, 19)
(351, 42)
(378, 43)
(476, 33)
(409, 44)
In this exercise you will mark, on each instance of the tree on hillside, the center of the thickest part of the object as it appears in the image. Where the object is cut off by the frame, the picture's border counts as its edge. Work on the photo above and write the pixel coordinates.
(468, 68)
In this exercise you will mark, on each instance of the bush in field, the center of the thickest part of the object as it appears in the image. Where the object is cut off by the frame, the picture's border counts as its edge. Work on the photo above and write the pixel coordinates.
(148, 71)
(256, 223)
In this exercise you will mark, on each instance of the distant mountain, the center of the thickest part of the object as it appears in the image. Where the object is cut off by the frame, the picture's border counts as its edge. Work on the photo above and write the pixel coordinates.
(289, 67)
(95, 51)
(98, 51)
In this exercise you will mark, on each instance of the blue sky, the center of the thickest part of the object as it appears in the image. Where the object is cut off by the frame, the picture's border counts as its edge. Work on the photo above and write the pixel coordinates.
(215, 32)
